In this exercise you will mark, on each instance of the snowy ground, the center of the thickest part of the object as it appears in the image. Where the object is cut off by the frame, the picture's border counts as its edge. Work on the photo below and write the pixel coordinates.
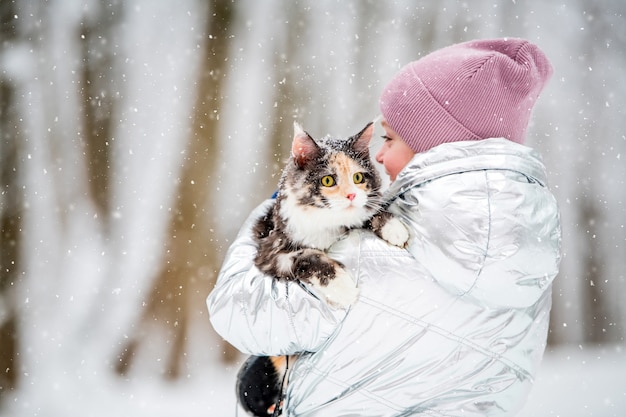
(580, 382)
(574, 382)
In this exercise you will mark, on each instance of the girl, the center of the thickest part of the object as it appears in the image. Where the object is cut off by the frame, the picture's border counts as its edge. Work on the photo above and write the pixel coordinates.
(456, 323)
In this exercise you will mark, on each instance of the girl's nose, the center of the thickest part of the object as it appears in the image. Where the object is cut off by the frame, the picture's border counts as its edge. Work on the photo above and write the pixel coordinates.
(379, 156)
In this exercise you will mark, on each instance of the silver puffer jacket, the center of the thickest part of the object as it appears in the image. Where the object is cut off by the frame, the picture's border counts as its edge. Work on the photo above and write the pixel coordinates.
(453, 326)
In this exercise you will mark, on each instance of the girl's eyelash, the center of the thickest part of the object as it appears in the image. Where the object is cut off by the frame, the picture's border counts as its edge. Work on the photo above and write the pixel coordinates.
(385, 137)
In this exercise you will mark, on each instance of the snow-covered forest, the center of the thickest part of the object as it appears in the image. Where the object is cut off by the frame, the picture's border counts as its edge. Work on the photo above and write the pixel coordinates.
(136, 136)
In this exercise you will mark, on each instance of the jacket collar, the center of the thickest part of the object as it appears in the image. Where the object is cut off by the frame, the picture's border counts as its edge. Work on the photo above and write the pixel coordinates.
(457, 157)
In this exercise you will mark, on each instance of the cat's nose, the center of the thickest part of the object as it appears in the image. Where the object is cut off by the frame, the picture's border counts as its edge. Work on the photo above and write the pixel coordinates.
(351, 196)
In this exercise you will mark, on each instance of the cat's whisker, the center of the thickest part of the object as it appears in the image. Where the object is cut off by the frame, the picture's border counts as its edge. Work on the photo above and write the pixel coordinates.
(375, 203)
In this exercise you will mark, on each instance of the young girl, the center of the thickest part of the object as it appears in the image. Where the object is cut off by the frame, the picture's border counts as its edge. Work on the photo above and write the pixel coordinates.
(456, 324)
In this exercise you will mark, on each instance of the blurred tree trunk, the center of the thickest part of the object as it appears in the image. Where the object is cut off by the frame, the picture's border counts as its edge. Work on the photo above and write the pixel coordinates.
(98, 93)
(598, 310)
(191, 263)
(10, 220)
(286, 98)
(10, 226)
(600, 305)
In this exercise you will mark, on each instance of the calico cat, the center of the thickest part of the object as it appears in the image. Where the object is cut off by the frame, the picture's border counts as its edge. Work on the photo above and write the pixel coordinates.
(327, 187)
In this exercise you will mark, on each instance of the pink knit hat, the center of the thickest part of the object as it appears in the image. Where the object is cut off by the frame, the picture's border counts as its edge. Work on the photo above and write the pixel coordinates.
(469, 91)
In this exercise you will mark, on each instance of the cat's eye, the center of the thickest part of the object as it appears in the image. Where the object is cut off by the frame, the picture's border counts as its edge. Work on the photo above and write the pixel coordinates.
(358, 178)
(328, 181)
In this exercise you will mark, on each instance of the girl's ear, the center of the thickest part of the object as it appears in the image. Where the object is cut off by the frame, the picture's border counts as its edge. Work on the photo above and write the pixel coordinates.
(361, 141)
(303, 148)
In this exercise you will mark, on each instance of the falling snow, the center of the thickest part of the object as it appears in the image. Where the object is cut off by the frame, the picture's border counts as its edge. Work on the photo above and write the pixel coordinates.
(86, 277)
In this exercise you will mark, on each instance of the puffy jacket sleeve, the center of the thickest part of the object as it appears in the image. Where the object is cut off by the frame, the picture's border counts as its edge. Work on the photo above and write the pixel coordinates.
(490, 235)
(261, 315)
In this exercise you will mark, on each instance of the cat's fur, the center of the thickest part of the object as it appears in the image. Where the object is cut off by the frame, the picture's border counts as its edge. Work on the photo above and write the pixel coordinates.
(328, 186)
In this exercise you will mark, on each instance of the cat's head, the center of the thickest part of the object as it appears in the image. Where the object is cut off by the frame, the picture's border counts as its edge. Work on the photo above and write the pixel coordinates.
(332, 178)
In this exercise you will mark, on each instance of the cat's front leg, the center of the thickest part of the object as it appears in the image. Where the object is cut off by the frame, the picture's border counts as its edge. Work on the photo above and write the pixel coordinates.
(390, 228)
(327, 276)
(341, 291)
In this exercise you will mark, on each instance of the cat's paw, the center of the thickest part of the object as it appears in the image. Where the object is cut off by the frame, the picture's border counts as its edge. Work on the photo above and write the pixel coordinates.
(341, 291)
(395, 232)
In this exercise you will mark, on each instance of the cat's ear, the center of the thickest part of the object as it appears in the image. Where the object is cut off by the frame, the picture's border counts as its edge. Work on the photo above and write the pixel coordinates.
(362, 139)
(303, 148)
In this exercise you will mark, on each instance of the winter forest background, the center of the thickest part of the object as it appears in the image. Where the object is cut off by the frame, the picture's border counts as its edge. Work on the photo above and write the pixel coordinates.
(137, 135)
